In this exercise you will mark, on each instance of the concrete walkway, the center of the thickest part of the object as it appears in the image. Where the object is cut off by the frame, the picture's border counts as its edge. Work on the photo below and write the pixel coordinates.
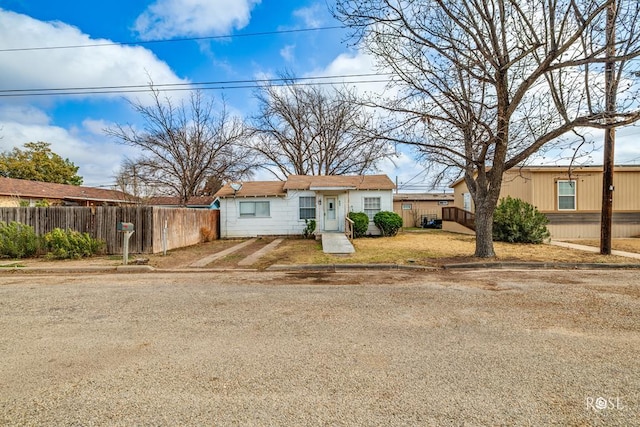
(208, 260)
(254, 257)
(336, 243)
(592, 249)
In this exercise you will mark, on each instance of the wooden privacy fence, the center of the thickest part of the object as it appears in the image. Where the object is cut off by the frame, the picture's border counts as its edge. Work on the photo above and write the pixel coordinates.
(156, 228)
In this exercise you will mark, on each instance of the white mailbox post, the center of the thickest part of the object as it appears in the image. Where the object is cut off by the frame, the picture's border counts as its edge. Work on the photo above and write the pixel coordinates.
(126, 228)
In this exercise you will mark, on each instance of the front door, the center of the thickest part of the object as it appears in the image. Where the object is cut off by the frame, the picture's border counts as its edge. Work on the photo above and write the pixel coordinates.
(330, 214)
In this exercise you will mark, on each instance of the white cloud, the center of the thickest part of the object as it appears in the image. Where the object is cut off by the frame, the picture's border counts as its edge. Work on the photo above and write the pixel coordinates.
(169, 18)
(310, 16)
(26, 114)
(95, 127)
(357, 63)
(287, 52)
(78, 67)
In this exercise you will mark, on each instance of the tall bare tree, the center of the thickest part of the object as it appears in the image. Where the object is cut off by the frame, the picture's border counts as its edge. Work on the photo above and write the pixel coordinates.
(312, 130)
(485, 84)
(185, 145)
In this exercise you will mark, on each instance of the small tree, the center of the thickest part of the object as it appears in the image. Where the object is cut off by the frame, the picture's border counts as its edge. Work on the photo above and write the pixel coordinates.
(388, 222)
(38, 163)
(516, 221)
(360, 223)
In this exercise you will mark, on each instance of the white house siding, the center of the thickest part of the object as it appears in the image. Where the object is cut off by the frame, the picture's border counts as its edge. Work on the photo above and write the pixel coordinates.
(356, 204)
(284, 218)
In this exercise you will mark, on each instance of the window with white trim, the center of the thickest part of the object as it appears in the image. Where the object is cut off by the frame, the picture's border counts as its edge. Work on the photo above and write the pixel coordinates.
(307, 207)
(255, 209)
(567, 195)
(407, 206)
(371, 206)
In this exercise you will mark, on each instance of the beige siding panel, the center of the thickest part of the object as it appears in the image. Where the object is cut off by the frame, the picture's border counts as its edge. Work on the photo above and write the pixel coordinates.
(517, 184)
(626, 195)
(545, 192)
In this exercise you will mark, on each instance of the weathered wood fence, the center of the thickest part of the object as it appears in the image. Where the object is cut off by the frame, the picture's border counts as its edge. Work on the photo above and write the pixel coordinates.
(156, 228)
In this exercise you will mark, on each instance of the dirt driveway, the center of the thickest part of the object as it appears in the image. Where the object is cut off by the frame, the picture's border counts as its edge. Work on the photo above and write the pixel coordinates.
(364, 348)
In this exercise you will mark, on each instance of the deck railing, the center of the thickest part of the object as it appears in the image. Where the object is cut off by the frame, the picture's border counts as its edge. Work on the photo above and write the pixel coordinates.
(466, 218)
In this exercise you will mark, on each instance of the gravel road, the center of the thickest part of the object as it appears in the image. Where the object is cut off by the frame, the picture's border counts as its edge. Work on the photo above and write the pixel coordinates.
(355, 348)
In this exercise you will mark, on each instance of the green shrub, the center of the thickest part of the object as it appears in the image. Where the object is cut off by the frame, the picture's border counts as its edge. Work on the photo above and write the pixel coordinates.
(388, 222)
(310, 227)
(516, 221)
(360, 223)
(17, 240)
(62, 244)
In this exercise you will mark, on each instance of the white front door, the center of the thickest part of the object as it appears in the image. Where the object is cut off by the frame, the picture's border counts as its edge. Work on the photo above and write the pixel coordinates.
(330, 213)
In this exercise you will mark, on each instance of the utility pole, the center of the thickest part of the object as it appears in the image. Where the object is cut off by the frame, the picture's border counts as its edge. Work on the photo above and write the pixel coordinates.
(609, 133)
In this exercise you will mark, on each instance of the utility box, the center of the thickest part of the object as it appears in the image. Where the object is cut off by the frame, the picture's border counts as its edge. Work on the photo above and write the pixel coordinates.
(125, 226)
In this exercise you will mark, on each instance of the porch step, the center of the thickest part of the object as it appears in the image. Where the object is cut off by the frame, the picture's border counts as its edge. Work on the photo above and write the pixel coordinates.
(336, 243)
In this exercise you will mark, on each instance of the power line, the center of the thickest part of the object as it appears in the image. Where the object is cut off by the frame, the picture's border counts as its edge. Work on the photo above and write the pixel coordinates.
(213, 85)
(143, 42)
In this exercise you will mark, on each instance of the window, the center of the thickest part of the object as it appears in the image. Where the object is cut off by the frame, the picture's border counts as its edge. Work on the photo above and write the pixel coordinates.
(254, 209)
(371, 206)
(566, 195)
(407, 206)
(307, 207)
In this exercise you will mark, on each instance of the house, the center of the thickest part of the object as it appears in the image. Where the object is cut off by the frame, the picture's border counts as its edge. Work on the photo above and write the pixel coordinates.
(20, 192)
(281, 207)
(197, 202)
(571, 200)
(415, 207)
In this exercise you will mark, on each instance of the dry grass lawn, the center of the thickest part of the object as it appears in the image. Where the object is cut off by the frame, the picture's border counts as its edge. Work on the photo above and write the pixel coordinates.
(422, 247)
(430, 248)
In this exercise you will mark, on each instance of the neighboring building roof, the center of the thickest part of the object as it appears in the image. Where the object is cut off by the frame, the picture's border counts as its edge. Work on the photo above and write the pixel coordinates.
(175, 201)
(308, 182)
(353, 182)
(48, 190)
(422, 197)
(565, 169)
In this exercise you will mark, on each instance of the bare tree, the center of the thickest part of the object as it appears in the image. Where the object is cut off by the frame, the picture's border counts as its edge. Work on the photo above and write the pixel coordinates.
(310, 130)
(486, 84)
(184, 146)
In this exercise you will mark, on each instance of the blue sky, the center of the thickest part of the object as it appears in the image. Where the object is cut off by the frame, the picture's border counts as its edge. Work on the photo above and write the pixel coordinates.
(74, 124)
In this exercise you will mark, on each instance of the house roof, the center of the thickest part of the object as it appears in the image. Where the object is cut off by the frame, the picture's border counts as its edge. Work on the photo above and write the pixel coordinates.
(354, 182)
(48, 190)
(563, 168)
(175, 201)
(308, 182)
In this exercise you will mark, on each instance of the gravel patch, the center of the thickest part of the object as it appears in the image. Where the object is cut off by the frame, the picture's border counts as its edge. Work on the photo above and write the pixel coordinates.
(321, 348)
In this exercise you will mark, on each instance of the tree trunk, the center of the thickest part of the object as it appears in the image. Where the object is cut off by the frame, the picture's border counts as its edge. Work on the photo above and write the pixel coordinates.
(484, 231)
